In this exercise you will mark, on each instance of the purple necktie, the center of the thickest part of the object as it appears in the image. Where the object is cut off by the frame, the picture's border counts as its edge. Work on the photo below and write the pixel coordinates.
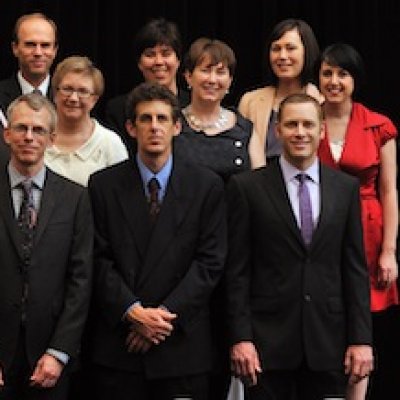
(154, 204)
(306, 218)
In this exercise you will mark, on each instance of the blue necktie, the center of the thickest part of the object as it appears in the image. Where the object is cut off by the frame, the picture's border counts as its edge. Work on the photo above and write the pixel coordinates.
(306, 218)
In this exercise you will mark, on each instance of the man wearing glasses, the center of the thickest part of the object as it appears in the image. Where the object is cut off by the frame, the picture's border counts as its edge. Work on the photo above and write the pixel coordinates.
(45, 258)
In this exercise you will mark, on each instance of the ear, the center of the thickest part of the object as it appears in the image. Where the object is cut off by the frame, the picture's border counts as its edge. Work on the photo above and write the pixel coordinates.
(323, 130)
(130, 127)
(177, 128)
(188, 77)
(6, 135)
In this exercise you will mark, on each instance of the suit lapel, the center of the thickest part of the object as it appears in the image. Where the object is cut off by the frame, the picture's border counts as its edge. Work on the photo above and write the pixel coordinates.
(51, 190)
(173, 210)
(130, 195)
(7, 210)
(277, 192)
(328, 192)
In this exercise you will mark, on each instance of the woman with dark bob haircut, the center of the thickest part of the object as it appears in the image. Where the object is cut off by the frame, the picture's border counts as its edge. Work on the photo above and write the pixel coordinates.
(362, 143)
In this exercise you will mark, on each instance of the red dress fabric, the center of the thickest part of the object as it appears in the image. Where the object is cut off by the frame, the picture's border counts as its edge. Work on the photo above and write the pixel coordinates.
(366, 133)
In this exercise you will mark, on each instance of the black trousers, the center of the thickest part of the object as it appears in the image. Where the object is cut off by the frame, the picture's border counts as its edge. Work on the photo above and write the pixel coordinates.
(298, 384)
(108, 383)
(17, 383)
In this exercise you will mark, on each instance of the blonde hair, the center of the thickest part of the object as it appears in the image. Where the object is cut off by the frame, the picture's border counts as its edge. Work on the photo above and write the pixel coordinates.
(81, 65)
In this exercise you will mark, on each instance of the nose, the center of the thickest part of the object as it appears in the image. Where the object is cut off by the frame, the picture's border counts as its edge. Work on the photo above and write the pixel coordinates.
(38, 49)
(29, 134)
(334, 78)
(283, 53)
(159, 59)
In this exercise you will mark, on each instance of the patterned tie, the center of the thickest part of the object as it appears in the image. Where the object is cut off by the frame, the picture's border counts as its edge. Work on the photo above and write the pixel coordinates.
(27, 218)
(154, 204)
(306, 219)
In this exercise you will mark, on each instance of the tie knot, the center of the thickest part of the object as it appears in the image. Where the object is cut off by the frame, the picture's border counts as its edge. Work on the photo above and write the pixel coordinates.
(37, 91)
(302, 178)
(26, 186)
(153, 185)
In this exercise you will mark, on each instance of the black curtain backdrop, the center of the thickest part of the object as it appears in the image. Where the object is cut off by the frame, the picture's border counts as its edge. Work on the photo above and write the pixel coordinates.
(104, 30)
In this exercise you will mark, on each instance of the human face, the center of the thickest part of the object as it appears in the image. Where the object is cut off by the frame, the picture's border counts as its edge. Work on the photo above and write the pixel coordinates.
(286, 55)
(300, 131)
(28, 135)
(73, 106)
(336, 83)
(36, 48)
(154, 129)
(209, 82)
(160, 64)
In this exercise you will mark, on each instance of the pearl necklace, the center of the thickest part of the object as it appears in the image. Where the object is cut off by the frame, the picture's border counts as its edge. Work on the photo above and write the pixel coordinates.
(219, 123)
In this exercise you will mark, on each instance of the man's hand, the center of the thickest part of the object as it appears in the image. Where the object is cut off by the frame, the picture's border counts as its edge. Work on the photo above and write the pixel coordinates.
(358, 362)
(137, 343)
(47, 371)
(1, 378)
(153, 324)
(245, 363)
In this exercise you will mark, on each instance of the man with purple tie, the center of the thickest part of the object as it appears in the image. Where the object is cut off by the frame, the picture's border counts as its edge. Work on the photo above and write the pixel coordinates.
(297, 282)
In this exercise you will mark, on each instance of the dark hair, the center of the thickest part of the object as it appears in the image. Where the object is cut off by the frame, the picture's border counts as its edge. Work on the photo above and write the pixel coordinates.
(149, 91)
(345, 56)
(158, 31)
(310, 43)
(299, 98)
(218, 51)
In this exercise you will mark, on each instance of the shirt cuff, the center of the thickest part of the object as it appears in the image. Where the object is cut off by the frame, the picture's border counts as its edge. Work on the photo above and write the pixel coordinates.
(60, 355)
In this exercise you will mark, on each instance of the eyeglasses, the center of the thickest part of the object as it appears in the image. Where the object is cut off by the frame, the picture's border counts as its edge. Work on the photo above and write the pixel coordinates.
(69, 91)
(23, 129)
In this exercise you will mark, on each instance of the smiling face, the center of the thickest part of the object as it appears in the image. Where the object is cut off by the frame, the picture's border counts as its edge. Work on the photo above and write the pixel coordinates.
(300, 129)
(209, 81)
(35, 48)
(74, 97)
(286, 55)
(160, 64)
(336, 84)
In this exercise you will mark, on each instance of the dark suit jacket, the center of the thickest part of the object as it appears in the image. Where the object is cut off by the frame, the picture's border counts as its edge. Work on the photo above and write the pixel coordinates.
(59, 277)
(10, 90)
(296, 303)
(116, 115)
(177, 265)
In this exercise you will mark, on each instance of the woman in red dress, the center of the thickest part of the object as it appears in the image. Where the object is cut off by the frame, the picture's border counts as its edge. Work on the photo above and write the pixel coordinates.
(362, 143)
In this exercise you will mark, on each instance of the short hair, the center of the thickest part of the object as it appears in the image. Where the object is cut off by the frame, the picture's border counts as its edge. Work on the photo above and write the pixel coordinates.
(36, 15)
(36, 102)
(310, 43)
(345, 56)
(81, 65)
(217, 50)
(158, 31)
(149, 91)
(298, 98)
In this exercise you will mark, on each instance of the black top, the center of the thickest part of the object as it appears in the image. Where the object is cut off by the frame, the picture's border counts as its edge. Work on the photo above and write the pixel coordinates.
(226, 153)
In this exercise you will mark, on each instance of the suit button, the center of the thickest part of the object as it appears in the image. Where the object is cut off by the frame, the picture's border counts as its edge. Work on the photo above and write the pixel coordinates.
(307, 298)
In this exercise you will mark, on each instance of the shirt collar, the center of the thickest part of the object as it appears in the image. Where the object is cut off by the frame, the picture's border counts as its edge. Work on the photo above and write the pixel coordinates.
(290, 172)
(26, 87)
(162, 175)
(16, 178)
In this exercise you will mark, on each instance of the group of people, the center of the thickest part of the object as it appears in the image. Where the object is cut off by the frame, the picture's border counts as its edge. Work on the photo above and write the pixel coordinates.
(179, 241)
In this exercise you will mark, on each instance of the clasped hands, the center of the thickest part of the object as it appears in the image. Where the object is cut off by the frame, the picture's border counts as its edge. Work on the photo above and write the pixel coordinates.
(149, 326)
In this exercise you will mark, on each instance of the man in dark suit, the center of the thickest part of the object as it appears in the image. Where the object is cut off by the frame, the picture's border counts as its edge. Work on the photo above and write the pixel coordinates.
(46, 240)
(297, 282)
(34, 45)
(158, 53)
(156, 264)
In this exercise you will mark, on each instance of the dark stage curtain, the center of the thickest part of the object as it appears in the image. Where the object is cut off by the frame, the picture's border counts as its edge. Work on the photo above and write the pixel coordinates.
(104, 31)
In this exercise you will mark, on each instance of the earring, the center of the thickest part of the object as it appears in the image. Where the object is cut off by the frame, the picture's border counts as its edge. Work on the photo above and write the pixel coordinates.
(189, 87)
(227, 91)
